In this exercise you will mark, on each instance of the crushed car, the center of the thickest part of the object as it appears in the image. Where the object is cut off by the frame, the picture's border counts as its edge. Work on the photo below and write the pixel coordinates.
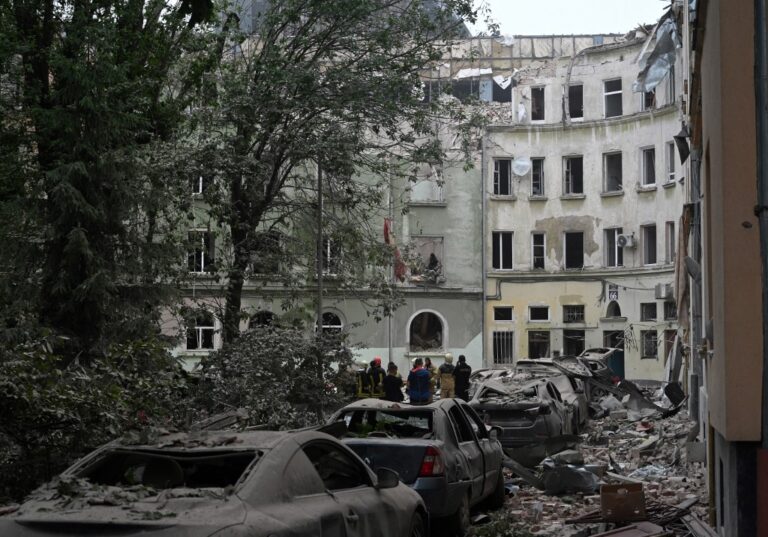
(257, 483)
(443, 450)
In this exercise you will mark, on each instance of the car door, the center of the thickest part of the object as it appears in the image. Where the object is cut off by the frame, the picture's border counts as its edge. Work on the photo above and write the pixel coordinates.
(566, 410)
(490, 449)
(365, 511)
(469, 449)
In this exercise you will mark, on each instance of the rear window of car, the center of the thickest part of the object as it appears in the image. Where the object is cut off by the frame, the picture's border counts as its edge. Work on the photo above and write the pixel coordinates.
(165, 469)
(398, 423)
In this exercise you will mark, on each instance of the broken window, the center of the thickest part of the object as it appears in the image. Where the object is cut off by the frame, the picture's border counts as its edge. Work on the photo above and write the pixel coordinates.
(200, 183)
(537, 177)
(574, 175)
(338, 469)
(401, 423)
(433, 89)
(649, 166)
(573, 314)
(426, 259)
(201, 253)
(502, 94)
(649, 100)
(503, 346)
(502, 250)
(538, 313)
(650, 343)
(332, 323)
(267, 252)
(612, 172)
(167, 468)
(669, 250)
(426, 332)
(538, 249)
(613, 309)
(428, 186)
(614, 254)
(200, 331)
(670, 150)
(670, 310)
(648, 311)
(503, 313)
(649, 244)
(613, 339)
(263, 318)
(613, 98)
(573, 342)
(574, 250)
(537, 104)
(502, 177)
(331, 256)
(538, 344)
(576, 101)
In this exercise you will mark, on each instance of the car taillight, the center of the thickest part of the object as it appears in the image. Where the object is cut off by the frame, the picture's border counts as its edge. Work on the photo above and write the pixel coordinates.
(432, 464)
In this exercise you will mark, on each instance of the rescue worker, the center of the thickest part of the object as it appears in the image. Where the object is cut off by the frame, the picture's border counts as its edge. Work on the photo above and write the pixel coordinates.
(418, 384)
(376, 376)
(446, 377)
(393, 384)
(461, 374)
(432, 378)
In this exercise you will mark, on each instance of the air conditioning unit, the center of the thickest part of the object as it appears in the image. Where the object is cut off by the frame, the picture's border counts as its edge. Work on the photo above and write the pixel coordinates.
(626, 241)
(663, 290)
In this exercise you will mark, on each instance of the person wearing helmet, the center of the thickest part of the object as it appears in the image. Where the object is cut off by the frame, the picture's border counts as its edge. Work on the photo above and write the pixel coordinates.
(376, 375)
(445, 372)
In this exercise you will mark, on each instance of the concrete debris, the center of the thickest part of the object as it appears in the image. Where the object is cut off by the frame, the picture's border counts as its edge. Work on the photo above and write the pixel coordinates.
(569, 456)
(562, 478)
(641, 529)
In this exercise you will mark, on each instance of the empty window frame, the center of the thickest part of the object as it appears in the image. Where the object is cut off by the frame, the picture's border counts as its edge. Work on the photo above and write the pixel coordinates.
(613, 98)
(503, 346)
(576, 101)
(426, 332)
(537, 177)
(648, 100)
(573, 175)
(649, 244)
(331, 256)
(670, 310)
(537, 314)
(573, 342)
(200, 184)
(200, 331)
(537, 104)
(428, 186)
(671, 85)
(670, 158)
(201, 252)
(574, 250)
(650, 343)
(502, 177)
(332, 323)
(649, 166)
(502, 313)
(614, 254)
(612, 172)
(538, 249)
(538, 344)
(648, 311)
(669, 242)
(502, 250)
(573, 313)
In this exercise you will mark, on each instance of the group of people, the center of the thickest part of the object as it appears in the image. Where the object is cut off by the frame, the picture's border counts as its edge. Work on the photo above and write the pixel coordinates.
(422, 381)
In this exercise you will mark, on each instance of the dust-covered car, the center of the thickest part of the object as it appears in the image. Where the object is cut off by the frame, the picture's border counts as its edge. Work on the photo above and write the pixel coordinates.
(571, 388)
(263, 483)
(443, 451)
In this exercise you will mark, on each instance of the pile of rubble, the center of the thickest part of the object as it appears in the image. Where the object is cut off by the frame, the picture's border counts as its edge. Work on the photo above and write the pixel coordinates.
(635, 472)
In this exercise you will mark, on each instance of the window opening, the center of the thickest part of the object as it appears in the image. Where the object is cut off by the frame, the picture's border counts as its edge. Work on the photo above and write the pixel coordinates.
(200, 331)
(649, 100)
(426, 332)
(201, 255)
(648, 311)
(332, 323)
(573, 342)
(537, 104)
(502, 177)
(538, 344)
(670, 310)
(331, 256)
(671, 85)
(613, 98)
(537, 177)
(576, 101)
(267, 252)
(538, 249)
(502, 250)
(538, 313)
(650, 342)
(574, 250)
(425, 259)
(614, 254)
(613, 309)
(649, 166)
(263, 318)
(503, 313)
(670, 146)
(574, 175)
(337, 469)
(612, 172)
(503, 346)
(649, 245)
(573, 314)
(669, 251)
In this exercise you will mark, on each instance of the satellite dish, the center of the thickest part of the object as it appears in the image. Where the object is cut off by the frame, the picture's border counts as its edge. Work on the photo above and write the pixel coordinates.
(521, 166)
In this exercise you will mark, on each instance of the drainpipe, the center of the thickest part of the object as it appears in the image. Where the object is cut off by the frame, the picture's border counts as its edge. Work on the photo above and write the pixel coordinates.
(483, 171)
(761, 102)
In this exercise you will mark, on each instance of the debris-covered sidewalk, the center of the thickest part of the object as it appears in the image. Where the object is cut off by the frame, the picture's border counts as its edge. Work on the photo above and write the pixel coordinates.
(626, 477)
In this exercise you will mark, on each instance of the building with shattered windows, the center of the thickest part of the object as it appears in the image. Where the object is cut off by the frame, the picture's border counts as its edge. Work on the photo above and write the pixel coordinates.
(581, 194)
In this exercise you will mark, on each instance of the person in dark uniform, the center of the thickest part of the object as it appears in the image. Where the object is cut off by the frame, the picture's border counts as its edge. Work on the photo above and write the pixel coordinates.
(376, 375)
(461, 374)
(393, 384)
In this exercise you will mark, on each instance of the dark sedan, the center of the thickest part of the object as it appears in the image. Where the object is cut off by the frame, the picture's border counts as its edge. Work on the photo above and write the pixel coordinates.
(229, 484)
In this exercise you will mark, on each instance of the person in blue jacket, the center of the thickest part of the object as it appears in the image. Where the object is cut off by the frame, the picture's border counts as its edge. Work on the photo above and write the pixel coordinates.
(419, 383)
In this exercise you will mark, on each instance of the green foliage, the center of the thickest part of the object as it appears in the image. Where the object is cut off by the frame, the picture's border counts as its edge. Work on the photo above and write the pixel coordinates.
(282, 378)
(501, 525)
(54, 414)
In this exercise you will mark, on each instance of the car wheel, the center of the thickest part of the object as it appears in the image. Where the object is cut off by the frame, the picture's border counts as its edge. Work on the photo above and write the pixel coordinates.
(418, 526)
(458, 524)
(499, 494)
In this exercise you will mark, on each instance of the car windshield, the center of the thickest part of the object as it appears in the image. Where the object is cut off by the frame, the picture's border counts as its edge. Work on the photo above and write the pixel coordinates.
(398, 423)
(167, 469)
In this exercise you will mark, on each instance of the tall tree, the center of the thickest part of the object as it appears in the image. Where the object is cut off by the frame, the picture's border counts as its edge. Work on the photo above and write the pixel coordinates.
(331, 85)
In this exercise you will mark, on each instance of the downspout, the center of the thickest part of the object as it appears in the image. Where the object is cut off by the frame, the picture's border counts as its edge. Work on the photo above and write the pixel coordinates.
(483, 239)
(761, 104)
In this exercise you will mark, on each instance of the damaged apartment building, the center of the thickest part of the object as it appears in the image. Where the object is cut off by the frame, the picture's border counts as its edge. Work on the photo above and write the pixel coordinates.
(581, 191)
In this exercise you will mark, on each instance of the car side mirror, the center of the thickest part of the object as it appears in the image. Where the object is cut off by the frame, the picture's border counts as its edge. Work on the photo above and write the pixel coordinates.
(386, 478)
